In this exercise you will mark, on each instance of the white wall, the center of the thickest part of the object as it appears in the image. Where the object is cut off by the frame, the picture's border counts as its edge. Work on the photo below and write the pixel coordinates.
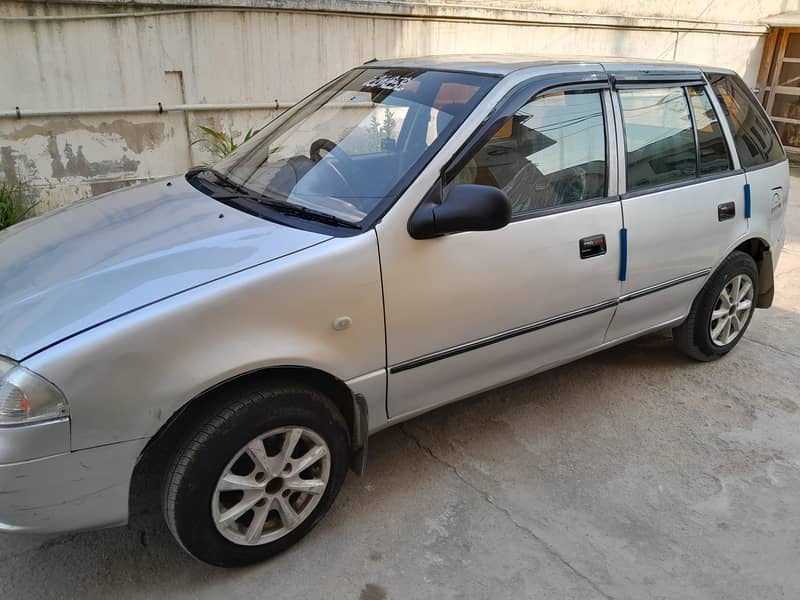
(196, 53)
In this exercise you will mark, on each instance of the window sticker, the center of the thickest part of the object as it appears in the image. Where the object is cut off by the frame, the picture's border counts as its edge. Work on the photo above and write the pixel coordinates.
(394, 83)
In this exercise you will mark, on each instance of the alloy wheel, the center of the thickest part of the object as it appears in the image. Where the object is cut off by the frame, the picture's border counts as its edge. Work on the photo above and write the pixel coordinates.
(271, 486)
(731, 310)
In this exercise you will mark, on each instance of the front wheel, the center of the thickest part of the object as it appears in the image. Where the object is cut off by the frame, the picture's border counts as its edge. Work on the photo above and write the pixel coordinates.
(255, 477)
(722, 310)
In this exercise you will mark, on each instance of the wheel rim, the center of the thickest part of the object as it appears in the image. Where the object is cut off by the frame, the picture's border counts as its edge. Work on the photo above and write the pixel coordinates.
(271, 486)
(731, 310)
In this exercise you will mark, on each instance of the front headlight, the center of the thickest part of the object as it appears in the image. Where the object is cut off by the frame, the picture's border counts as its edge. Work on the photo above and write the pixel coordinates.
(25, 397)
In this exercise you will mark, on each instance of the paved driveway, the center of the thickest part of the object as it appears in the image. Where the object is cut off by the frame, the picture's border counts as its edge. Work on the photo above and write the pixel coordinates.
(634, 473)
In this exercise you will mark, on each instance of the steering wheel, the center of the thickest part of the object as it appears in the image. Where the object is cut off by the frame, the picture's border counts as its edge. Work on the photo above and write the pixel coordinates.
(572, 187)
(321, 144)
(338, 155)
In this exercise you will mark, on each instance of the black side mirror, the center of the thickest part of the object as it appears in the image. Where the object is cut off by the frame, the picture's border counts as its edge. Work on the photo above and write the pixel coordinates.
(467, 208)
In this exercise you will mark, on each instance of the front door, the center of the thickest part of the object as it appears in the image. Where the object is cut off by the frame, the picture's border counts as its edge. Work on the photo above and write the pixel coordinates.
(469, 311)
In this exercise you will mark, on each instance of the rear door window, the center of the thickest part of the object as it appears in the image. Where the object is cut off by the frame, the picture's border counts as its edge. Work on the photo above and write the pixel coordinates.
(659, 139)
(755, 140)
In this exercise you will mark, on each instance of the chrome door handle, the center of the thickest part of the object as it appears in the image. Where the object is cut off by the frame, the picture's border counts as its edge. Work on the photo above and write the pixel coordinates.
(726, 210)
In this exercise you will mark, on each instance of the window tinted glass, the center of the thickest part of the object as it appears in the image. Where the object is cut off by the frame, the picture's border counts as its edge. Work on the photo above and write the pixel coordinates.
(551, 152)
(714, 156)
(755, 141)
(659, 139)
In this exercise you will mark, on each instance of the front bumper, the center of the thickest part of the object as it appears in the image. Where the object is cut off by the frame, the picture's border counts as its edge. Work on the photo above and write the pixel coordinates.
(86, 489)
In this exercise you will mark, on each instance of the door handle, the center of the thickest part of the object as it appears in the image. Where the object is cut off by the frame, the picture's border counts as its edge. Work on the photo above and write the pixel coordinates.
(594, 245)
(726, 210)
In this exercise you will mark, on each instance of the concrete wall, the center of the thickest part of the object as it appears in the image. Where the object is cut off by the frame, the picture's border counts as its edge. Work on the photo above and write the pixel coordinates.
(74, 57)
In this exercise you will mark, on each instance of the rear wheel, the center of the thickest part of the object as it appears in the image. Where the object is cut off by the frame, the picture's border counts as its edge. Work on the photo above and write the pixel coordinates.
(722, 310)
(255, 477)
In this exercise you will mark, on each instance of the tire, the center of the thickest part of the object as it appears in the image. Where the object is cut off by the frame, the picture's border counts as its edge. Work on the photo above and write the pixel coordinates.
(695, 336)
(195, 498)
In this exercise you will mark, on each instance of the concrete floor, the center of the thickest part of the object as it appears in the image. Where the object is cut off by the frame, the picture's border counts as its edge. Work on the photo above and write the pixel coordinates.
(634, 473)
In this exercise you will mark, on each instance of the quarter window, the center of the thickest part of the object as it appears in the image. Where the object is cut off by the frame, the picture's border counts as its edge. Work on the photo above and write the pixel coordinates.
(756, 142)
(552, 152)
(660, 147)
(714, 157)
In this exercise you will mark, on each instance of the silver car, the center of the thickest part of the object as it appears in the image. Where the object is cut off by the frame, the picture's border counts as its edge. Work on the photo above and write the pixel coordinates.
(414, 232)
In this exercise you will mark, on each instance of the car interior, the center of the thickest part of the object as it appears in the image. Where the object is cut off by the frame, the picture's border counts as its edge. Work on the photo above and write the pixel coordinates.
(509, 162)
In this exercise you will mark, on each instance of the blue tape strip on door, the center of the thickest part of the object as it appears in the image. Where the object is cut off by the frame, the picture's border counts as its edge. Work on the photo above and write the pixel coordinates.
(623, 254)
(746, 200)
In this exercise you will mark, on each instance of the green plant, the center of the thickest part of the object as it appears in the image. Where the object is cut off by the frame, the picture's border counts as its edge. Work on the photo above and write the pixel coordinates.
(218, 144)
(14, 204)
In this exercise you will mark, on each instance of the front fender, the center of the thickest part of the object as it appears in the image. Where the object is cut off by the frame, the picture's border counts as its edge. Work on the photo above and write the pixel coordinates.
(125, 379)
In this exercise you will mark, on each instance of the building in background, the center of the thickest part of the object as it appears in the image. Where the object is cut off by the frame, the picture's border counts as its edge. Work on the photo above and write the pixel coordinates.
(778, 83)
(95, 95)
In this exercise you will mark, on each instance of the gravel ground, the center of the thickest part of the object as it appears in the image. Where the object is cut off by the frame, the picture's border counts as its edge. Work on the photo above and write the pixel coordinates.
(634, 473)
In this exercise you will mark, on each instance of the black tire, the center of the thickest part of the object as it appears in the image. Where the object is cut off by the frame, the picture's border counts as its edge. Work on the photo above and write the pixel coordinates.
(693, 336)
(245, 412)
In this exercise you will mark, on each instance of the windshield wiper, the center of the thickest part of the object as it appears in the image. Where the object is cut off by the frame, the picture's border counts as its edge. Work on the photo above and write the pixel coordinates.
(224, 182)
(304, 212)
(283, 207)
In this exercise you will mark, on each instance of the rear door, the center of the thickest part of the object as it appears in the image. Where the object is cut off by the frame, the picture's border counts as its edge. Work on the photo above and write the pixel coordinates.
(683, 202)
(761, 156)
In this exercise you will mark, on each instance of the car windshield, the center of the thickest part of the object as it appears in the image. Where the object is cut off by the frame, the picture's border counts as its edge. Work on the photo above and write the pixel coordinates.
(353, 145)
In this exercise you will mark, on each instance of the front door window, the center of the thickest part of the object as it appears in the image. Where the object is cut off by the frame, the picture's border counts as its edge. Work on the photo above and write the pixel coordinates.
(550, 153)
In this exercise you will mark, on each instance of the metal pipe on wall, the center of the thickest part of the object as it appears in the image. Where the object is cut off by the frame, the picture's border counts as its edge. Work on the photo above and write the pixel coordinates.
(159, 108)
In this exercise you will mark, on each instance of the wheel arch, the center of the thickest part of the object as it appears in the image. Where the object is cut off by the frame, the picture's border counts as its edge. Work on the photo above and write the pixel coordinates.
(759, 249)
(148, 469)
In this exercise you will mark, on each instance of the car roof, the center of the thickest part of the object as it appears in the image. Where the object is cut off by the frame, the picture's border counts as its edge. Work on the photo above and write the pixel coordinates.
(504, 64)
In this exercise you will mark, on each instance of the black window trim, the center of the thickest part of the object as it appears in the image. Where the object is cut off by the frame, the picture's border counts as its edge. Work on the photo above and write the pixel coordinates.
(492, 124)
(653, 78)
(695, 134)
(644, 84)
(682, 183)
(561, 208)
(766, 165)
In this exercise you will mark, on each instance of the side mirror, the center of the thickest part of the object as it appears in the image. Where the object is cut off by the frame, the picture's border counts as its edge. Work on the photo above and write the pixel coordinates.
(467, 207)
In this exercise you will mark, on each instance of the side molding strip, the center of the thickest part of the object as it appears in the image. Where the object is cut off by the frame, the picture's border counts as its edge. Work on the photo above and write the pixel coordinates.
(512, 333)
(501, 337)
(662, 286)
(623, 253)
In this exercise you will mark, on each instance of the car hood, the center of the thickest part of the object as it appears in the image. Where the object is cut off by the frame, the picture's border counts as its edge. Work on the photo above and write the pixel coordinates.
(80, 266)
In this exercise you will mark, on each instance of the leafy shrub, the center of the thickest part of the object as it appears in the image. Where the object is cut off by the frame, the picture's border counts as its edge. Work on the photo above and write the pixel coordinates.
(14, 204)
(218, 144)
